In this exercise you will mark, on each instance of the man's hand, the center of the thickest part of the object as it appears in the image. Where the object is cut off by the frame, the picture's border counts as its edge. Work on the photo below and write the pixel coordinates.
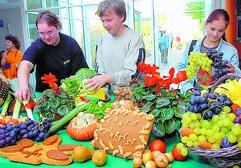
(22, 94)
(98, 81)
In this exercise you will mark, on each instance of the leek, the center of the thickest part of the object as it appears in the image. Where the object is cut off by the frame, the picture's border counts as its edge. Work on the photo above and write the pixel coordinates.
(17, 109)
(6, 104)
(28, 111)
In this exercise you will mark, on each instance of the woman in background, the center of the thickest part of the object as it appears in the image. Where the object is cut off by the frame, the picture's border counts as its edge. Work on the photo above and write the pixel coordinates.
(11, 57)
(214, 40)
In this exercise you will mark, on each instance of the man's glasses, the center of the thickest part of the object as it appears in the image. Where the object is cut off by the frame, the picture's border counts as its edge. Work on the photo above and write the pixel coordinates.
(49, 33)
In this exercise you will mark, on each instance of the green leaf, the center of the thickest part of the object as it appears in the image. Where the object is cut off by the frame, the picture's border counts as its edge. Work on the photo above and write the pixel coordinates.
(162, 102)
(170, 126)
(158, 129)
(180, 110)
(147, 107)
(156, 112)
(149, 97)
(167, 113)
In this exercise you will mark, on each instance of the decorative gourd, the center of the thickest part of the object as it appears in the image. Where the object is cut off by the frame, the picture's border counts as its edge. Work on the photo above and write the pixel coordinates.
(82, 127)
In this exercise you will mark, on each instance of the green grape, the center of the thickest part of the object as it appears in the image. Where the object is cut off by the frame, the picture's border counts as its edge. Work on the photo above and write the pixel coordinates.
(232, 138)
(211, 139)
(205, 124)
(225, 130)
(217, 136)
(193, 137)
(189, 143)
(203, 131)
(227, 122)
(202, 138)
(194, 116)
(239, 145)
(215, 146)
(215, 119)
(231, 116)
(236, 130)
(195, 143)
(184, 139)
(197, 131)
(210, 132)
(227, 109)
(216, 128)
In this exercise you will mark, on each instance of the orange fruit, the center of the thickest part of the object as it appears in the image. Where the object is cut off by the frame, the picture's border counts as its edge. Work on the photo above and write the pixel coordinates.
(99, 157)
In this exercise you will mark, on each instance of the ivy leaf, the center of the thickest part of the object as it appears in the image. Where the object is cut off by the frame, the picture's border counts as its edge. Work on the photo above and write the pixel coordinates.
(158, 129)
(167, 113)
(149, 97)
(147, 107)
(162, 102)
(170, 126)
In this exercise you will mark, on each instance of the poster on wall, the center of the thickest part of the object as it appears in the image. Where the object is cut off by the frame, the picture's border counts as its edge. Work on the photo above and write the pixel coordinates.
(1, 23)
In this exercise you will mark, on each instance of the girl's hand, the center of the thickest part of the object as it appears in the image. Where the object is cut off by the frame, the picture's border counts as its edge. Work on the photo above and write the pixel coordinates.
(230, 68)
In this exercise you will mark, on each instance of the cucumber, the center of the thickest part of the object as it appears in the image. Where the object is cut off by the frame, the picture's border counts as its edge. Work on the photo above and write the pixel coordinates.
(66, 119)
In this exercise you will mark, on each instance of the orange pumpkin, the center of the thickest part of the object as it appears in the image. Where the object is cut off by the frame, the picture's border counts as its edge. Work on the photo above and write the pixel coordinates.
(82, 127)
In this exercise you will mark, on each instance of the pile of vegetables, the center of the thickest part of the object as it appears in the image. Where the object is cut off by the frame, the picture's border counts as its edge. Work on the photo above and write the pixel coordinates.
(74, 85)
(52, 105)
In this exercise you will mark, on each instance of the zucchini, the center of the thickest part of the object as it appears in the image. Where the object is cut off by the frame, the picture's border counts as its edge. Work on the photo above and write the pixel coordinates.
(66, 119)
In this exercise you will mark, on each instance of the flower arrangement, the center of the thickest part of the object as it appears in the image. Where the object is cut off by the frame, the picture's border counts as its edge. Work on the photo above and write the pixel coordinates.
(153, 94)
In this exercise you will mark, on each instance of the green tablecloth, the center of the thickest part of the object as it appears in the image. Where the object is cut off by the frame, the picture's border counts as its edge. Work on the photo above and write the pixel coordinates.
(112, 162)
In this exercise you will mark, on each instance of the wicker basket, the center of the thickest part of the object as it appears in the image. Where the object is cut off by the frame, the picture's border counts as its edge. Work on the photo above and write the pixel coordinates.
(225, 157)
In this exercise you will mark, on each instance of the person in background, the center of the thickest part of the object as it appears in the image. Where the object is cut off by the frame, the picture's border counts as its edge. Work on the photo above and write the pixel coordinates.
(214, 40)
(163, 46)
(11, 57)
(53, 52)
(118, 50)
(1, 56)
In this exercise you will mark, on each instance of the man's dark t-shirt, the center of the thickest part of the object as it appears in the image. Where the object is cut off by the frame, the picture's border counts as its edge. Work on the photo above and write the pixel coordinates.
(62, 60)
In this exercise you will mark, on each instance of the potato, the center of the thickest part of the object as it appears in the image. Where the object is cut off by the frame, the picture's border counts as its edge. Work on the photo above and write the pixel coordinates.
(146, 157)
(150, 164)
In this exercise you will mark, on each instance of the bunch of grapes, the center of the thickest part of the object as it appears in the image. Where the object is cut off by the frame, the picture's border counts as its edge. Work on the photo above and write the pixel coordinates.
(219, 65)
(218, 132)
(208, 104)
(10, 134)
(198, 60)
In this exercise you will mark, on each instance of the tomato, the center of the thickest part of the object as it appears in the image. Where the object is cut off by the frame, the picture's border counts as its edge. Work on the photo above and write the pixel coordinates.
(157, 145)
(176, 153)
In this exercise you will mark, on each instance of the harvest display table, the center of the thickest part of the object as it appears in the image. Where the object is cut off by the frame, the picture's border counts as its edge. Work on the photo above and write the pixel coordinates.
(112, 162)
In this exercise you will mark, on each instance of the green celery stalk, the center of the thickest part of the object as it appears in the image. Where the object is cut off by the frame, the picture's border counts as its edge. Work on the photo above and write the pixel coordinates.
(66, 119)
(6, 104)
(17, 109)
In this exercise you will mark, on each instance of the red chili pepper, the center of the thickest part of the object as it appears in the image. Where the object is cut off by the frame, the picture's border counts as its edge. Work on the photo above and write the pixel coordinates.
(30, 105)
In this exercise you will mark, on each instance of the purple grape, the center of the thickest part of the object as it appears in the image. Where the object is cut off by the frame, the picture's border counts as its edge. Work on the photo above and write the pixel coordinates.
(225, 143)
(238, 112)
